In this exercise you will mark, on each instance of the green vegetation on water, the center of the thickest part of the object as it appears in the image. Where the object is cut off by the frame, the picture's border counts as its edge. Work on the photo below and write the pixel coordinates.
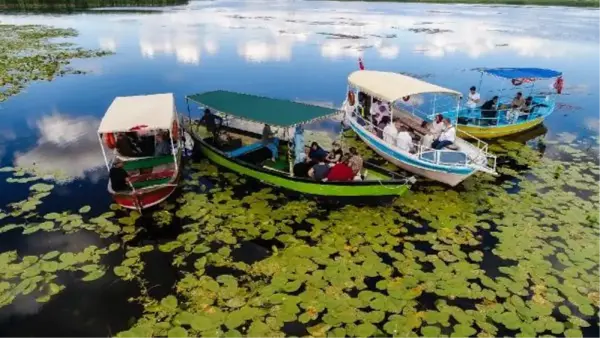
(28, 53)
(418, 268)
(82, 4)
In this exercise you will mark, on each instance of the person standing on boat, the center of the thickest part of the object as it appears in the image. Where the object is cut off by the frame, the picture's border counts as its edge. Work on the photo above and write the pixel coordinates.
(447, 138)
(473, 98)
(489, 112)
(390, 132)
(118, 177)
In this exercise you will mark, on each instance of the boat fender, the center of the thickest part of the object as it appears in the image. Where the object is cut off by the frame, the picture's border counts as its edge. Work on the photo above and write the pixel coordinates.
(109, 139)
(406, 98)
(351, 98)
(516, 82)
(174, 130)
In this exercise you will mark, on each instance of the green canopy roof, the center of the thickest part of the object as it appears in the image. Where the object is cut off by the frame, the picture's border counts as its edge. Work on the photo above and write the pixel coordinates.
(275, 112)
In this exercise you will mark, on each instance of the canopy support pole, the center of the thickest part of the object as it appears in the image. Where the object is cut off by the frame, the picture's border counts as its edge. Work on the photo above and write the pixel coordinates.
(103, 152)
(187, 103)
(480, 81)
(173, 144)
(433, 108)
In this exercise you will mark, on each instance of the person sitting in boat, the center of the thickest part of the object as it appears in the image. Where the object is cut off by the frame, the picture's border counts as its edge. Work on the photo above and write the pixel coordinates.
(438, 126)
(356, 163)
(381, 126)
(320, 170)
(447, 138)
(473, 98)
(341, 171)
(302, 166)
(404, 140)
(379, 110)
(316, 152)
(428, 137)
(391, 131)
(336, 153)
(489, 112)
(518, 101)
(163, 146)
(213, 122)
(125, 146)
(119, 179)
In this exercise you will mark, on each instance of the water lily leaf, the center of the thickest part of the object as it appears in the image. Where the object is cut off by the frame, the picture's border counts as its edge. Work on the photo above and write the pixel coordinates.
(85, 209)
(169, 303)
(365, 330)
(122, 271)
(430, 331)
(170, 246)
(586, 309)
(177, 332)
(41, 187)
(318, 330)
(572, 333)
(93, 275)
(49, 266)
(51, 255)
(201, 323)
(462, 330)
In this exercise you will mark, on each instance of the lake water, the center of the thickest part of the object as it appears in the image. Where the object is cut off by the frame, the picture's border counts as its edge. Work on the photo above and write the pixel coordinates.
(301, 50)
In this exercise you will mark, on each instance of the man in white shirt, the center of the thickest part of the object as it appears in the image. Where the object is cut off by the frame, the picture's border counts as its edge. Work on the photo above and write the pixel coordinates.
(473, 98)
(391, 131)
(404, 140)
(447, 137)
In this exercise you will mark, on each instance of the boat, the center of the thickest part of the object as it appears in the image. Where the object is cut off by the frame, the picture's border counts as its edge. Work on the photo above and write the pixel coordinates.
(510, 121)
(248, 156)
(152, 179)
(450, 165)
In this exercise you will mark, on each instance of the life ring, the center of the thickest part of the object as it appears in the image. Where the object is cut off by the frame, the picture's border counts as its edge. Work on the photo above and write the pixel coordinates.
(109, 139)
(175, 130)
(406, 98)
(351, 98)
(516, 82)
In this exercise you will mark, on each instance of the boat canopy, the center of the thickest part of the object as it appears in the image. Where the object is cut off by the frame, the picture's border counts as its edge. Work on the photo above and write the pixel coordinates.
(274, 112)
(393, 86)
(146, 111)
(518, 73)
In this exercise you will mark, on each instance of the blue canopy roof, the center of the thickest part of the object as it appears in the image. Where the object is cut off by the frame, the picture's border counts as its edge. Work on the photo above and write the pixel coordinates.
(517, 73)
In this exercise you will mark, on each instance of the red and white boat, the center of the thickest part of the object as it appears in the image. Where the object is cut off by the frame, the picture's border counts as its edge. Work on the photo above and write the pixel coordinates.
(137, 120)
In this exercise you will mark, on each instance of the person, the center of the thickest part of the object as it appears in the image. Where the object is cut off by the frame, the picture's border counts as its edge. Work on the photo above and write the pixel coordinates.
(379, 110)
(447, 138)
(356, 162)
(489, 112)
(391, 131)
(404, 140)
(341, 171)
(335, 155)
(162, 147)
(527, 105)
(299, 149)
(437, 126)
(473, 98)
(118, 177)
(267, 134)
(428, 138)
(213, 122)
(320, 170)
(302, 166)
(125, 146)
(316, 152)
(518, 101)
(381, 126)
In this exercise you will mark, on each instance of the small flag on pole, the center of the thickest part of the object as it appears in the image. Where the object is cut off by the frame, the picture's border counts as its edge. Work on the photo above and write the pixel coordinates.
(360, 64)
(558, 84)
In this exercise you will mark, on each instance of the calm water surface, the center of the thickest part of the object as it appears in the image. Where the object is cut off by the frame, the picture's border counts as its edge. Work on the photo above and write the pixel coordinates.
(287, 49)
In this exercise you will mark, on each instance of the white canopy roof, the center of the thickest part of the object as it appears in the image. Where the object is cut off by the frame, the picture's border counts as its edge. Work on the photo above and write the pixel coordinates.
(393, 86)
(150, 111)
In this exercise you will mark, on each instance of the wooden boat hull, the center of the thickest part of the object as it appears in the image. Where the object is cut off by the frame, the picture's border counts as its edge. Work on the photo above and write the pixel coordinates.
(489, 132)
(448, 175)
(302, 185)
(145, 199)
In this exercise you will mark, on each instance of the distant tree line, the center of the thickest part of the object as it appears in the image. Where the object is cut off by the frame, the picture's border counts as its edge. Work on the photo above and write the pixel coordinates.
(82, 4)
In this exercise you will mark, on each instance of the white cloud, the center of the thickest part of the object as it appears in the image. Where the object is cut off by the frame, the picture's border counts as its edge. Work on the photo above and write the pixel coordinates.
(108, 43)
(258, 51)
(66, 145)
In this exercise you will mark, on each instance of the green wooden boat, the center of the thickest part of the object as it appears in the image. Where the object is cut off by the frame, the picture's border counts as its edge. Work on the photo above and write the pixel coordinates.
(246, 159)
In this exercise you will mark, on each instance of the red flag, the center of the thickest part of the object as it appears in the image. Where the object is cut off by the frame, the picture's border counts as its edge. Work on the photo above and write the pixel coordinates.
(558, 84)
(360, 64)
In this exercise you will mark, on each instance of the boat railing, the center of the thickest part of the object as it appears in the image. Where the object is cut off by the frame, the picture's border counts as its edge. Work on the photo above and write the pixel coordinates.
(435, 156)
(484, 159)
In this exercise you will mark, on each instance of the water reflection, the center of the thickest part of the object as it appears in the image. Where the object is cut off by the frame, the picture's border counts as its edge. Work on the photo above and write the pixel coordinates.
(66, 145)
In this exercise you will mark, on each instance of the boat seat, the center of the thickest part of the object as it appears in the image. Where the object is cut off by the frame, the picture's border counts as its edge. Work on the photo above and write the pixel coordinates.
(452, 147)
(144, 184)
(255, 146)
(414, 123)
(149, 162)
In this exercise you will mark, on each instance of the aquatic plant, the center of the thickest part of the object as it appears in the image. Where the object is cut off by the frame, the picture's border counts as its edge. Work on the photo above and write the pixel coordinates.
(29, 54)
